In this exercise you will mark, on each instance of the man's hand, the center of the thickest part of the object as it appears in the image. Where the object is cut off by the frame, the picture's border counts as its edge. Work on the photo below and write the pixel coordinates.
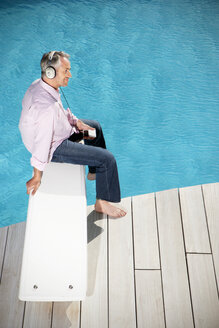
(82, 126)
(34, 183)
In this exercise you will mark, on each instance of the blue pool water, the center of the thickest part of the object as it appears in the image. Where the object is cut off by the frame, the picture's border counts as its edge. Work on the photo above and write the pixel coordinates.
(147, 70)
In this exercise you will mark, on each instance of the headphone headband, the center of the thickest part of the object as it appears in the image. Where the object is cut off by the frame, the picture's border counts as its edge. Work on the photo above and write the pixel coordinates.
(51, 54)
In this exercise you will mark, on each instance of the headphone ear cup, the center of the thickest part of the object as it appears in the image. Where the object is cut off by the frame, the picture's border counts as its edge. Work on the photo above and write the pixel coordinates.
(50, 72)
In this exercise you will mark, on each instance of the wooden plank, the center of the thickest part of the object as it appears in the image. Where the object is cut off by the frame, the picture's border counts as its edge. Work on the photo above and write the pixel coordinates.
(194, 220)
(63, 315)
(95, 306)
(173, 264)
(73, 314)
(204, 291)
(121, 275)
(3, 236)
(211, 198)
(11, 309)
(145, 232)
(38, 314)
(150, 312)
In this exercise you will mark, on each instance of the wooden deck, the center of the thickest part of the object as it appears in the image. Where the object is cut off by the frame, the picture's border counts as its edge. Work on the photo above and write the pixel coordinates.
(157, 267)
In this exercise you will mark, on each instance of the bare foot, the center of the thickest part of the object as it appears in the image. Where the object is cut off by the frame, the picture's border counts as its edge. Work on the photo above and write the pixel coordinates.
(91, 176)
(102, 206)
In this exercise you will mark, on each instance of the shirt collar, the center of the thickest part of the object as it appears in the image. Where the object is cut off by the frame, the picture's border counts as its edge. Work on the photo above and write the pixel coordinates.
(50, 89)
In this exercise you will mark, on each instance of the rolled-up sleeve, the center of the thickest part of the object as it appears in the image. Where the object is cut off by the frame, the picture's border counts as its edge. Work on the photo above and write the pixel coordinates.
(43, 134)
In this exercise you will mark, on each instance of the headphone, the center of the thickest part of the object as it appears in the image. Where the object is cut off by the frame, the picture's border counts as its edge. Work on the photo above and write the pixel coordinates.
(50, 70)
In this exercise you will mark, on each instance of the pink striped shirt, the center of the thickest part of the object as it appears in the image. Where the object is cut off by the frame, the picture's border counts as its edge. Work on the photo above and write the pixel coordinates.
(44, 123)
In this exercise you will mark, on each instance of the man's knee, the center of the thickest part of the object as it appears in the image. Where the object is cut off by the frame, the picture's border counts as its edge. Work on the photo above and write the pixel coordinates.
(97, 125)
(109, 159)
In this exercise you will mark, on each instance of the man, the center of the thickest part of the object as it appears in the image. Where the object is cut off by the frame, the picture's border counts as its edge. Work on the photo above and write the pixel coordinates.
(48, 131)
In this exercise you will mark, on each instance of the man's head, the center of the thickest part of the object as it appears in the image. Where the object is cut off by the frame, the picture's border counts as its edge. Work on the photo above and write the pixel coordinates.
(55, 68)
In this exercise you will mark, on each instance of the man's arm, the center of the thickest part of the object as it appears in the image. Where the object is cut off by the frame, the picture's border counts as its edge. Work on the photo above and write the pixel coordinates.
(74, 121)
(42, 144)
(34, 183)
(82, 126)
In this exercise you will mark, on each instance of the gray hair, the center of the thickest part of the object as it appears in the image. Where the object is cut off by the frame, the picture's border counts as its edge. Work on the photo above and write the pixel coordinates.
(55, 62)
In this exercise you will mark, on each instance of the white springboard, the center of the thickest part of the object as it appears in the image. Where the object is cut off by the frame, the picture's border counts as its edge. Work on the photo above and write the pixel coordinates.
(54, 265)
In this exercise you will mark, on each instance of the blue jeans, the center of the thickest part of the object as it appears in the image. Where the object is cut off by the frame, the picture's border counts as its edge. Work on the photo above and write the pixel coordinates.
(99, 160)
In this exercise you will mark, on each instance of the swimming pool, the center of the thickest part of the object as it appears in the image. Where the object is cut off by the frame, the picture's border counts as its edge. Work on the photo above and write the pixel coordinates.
(147, 70)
